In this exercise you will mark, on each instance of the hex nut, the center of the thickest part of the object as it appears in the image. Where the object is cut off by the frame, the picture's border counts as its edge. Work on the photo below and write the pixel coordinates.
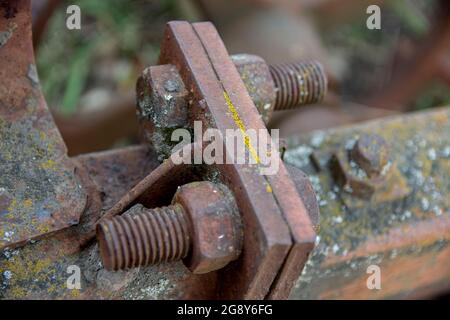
(371, 153)
(255, 74)
(353, 180)
(367, 170)
(217, 232)
(162, 106)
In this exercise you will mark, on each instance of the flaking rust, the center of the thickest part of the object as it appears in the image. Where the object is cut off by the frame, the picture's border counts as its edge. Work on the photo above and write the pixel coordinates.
(407, 237)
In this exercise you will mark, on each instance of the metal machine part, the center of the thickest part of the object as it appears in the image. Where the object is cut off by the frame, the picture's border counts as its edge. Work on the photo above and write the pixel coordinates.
(40, 192)
(199, 82)
(202, 226)
(404, 228)
(269, 206)
(164, 102)
(408, 238)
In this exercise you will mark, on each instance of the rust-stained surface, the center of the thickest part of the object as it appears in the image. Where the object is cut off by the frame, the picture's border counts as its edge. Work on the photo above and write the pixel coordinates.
(365, 169)
(407, 237)
(161, 106)
(141, 236)
(401, 224)
(202, 226)
(39, 190)
(217, 231)
(39, 270)
(270, 205)
(298, 84)
(158, 187)
(256, 76)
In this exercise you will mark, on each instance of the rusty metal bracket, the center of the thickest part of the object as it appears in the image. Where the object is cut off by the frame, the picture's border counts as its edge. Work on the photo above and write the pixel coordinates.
(192, 85)
(281, 232)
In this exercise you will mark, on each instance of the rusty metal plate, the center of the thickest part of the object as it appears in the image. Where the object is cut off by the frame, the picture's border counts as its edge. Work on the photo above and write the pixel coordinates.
(39, 190)
(270, 205)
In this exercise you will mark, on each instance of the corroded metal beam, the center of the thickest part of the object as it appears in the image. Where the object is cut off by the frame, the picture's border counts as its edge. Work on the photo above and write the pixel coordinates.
(407, 234)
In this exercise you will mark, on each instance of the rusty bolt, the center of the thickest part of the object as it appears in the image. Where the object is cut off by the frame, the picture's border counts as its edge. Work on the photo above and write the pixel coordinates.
(371, 153)
(162, 99)
(365, 167)
(283, 86)
(202, 226)
(161, 106)
(298, 84)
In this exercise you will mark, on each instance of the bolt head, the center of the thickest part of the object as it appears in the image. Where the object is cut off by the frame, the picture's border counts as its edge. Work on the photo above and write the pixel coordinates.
(371, 153)
(215, 223)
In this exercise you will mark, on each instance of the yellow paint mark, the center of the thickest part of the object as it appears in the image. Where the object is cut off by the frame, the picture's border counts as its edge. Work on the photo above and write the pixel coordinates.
(241, 126)
(243, 130)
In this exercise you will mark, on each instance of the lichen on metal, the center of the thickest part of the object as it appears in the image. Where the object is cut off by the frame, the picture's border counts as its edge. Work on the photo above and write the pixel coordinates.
(39, 191)
(407, 237)
(40, 269)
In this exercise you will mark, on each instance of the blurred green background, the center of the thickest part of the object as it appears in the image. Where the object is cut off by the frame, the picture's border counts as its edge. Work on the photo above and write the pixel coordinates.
(81, 70)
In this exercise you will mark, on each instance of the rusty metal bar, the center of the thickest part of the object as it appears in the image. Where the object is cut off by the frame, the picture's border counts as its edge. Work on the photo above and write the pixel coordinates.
(406, 234)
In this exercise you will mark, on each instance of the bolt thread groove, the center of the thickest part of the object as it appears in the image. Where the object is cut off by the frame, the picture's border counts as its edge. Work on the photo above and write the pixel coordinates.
(298, 84)
(151, 237)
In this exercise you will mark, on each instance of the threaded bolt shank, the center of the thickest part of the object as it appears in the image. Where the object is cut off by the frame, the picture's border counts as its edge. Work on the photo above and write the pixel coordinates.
(150, 237)
(298, 84)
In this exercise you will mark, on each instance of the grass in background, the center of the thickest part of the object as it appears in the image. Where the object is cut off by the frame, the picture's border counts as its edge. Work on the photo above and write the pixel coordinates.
(113, 29)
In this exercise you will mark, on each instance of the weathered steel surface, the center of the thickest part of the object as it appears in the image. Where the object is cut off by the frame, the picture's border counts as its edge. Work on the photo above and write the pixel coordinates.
(39, 190)
(407, 237)
(158, 187)
(255, 74)
(161, 106)
(217, 229)
(366, 170)
(163, 101)
(39, 270)
(202, 226)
